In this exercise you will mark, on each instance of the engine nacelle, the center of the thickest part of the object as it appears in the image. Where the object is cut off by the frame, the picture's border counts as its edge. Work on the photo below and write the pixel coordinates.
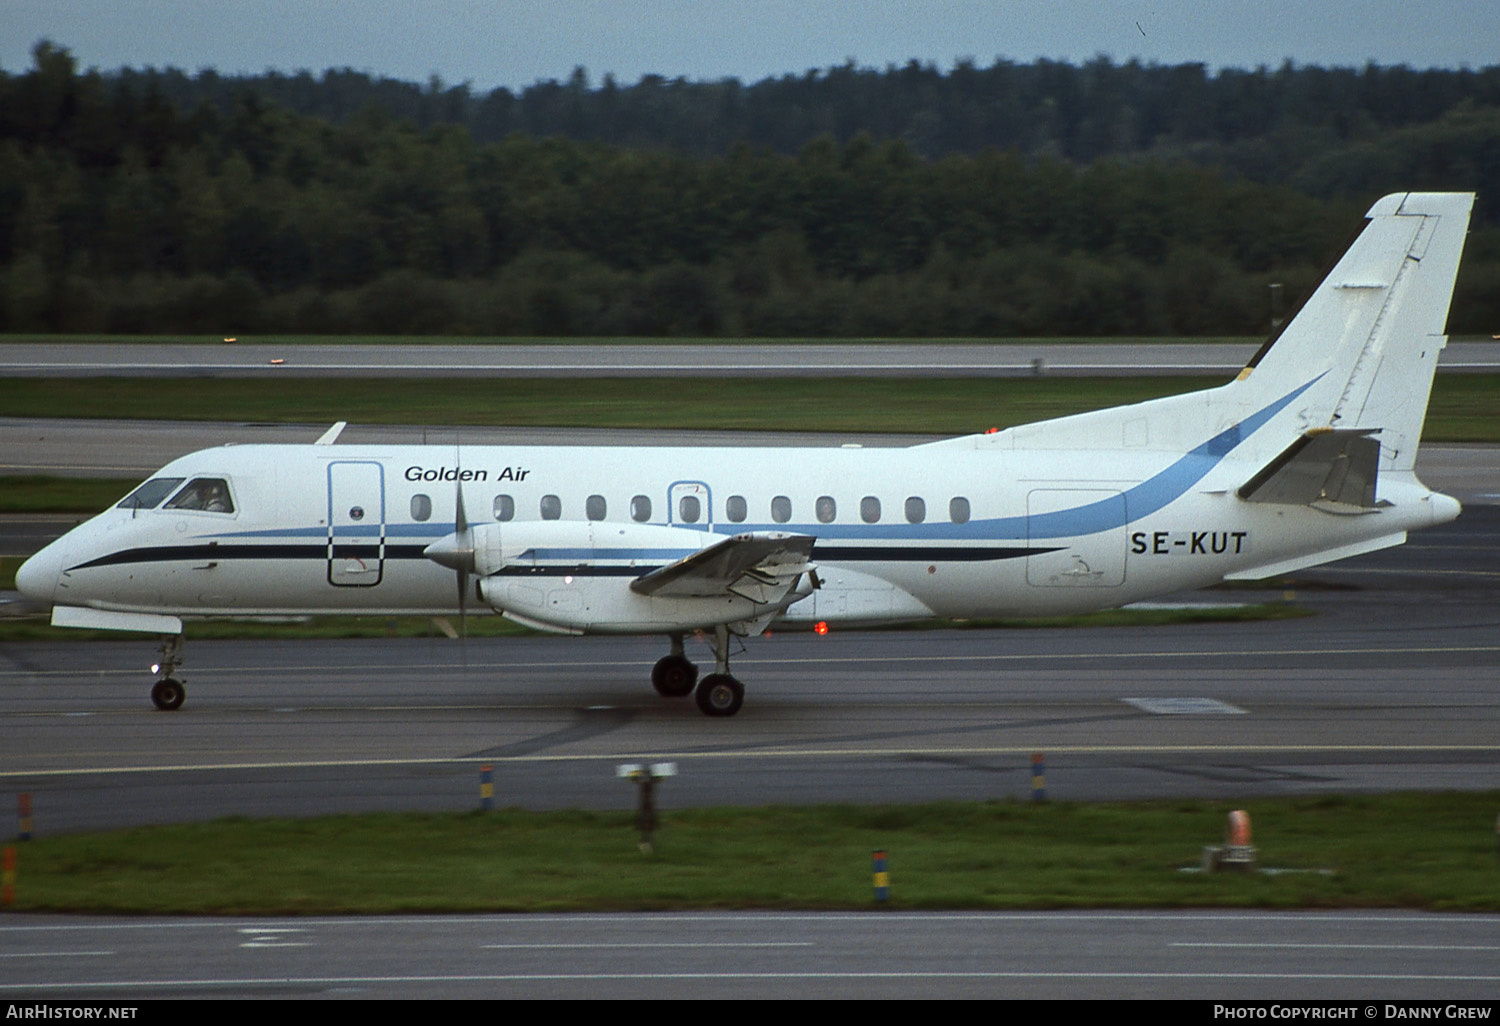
(547, 545)
(575, 575)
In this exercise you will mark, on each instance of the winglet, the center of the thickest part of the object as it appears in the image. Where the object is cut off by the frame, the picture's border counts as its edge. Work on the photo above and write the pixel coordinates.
(332, 433)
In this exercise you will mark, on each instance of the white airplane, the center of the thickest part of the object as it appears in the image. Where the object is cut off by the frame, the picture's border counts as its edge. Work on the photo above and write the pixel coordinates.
(1306, 457)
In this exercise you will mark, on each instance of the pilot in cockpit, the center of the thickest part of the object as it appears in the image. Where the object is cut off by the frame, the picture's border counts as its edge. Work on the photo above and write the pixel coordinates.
(209, 494)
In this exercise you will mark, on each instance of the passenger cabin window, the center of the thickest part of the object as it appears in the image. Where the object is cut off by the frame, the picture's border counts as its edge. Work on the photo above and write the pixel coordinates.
(826, 509)
(958, 510)
(505, 507)
(594, 507)
(736, 509)
(150, 494)
(689, 509)
(206, 494)
(781, 509)
(916, 510)
(551, 507)
(421, 507)
(869, 509)
(640, 509)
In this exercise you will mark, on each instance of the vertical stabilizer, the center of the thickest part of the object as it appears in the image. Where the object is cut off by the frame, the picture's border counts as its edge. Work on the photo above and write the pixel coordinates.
(1372, 331)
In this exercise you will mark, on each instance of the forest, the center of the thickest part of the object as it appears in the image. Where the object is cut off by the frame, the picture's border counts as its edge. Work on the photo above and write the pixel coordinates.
(1014, 200)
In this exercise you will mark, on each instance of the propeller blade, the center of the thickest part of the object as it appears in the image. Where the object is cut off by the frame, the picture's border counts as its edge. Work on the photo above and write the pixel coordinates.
(466, 542)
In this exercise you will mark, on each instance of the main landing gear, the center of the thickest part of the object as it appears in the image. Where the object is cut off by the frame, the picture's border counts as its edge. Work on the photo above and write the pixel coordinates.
(718, 694)
(168, 692)
(673, 676)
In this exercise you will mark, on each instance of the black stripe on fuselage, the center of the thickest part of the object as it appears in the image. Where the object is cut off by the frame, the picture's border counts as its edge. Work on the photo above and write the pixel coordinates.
(319, 552)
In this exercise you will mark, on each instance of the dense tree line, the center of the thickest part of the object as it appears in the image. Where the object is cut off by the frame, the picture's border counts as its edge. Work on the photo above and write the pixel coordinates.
(1288, 124)
(130, 205)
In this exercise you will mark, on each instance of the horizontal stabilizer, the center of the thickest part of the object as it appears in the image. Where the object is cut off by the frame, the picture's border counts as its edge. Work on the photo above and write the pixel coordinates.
(1295, 563)
(1331, 468)
(760, 567)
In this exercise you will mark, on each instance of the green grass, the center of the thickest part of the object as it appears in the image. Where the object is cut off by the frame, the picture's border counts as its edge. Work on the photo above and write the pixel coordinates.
(927, 405)
(1407, 851)
(36, 493)
(1464, 407)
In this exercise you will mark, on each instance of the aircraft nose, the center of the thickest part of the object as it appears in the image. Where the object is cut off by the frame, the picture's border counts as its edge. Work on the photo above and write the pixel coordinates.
(37, 577)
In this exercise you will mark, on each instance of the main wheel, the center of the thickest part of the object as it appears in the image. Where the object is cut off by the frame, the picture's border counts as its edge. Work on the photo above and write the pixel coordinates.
(168, 693)
(720, 695)
(674, 676)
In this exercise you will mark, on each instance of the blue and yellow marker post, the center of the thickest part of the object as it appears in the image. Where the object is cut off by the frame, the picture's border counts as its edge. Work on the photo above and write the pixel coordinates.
(1038, 778)
(486, 788)
(881, 876)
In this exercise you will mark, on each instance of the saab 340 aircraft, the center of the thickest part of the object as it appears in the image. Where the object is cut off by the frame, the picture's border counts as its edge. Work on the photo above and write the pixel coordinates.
(1307, 456)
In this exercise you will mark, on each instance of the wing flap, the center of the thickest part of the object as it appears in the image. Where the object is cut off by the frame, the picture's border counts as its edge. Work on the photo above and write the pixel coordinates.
(759, 567)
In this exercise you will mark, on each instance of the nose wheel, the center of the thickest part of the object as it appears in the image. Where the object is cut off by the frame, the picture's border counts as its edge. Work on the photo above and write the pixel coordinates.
(167, 694)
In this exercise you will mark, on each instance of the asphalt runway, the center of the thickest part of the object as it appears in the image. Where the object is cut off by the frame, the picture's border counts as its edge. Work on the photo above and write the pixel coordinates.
(790, 358)
(1351, 957)
(1389, 687)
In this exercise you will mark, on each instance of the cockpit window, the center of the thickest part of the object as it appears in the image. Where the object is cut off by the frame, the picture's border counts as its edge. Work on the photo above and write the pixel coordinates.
(150, 494)
(209, 494)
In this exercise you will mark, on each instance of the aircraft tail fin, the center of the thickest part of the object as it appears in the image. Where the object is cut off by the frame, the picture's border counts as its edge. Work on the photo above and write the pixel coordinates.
(1369, 336)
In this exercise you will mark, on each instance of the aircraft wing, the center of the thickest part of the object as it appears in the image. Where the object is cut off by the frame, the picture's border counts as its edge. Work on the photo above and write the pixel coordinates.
(760, 567)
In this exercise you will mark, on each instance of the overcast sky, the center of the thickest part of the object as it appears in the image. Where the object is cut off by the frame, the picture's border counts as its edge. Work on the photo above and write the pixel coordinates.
(517, 42)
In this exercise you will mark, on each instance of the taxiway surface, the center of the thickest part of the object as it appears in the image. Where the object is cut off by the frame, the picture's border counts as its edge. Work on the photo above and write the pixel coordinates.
(788, 358)
(1390, 686)
(1350, 957)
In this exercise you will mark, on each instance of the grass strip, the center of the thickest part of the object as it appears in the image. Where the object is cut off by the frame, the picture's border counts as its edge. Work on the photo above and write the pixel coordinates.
(37, 493)
(1423, 851)
(924, 405)
(1464, 407)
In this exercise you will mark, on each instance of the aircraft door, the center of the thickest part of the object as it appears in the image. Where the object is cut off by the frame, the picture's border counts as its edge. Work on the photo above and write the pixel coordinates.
(1088, 525)
(689, 504)
(356, 523)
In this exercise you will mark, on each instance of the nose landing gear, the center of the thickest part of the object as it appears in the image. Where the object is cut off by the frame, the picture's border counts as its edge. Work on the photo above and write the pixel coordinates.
(168, 692)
